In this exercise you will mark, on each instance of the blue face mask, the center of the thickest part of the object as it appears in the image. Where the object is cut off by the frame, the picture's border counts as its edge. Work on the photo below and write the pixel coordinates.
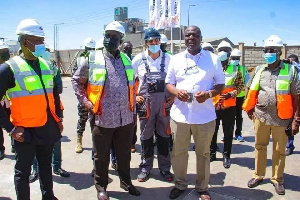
(234, 62)
(46, 55)
(154, 48)
(223, 55)
(270, 58)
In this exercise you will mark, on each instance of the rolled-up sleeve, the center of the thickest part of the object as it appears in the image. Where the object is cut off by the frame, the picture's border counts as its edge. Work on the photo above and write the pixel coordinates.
(79, 81)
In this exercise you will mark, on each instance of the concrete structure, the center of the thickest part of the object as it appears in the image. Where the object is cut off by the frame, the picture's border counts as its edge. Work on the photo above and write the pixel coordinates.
(225, 184)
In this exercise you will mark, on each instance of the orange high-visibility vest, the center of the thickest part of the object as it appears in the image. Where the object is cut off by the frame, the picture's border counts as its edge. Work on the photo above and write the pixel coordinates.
(28, 102)
(230, 76)
(283, 96)
(97, 77)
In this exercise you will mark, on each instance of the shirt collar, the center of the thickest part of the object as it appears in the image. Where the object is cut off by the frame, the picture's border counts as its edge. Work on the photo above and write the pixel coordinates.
(201, 53)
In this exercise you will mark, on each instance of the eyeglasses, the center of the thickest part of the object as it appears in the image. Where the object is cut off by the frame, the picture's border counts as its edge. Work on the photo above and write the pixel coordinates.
(271, 50)
(156, 40)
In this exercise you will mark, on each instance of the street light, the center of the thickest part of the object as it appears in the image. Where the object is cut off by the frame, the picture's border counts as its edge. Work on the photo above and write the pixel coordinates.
(55, 35)
(189, 14)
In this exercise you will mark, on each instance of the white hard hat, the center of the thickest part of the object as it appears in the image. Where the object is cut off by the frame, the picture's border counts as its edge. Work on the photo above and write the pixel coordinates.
(236, 53)
(273, 41)
(115, 26)
(3, 45)
(206, 44)
(163, 38)
(30, 27)
(224, 44)
(99, 44)
(89, 42)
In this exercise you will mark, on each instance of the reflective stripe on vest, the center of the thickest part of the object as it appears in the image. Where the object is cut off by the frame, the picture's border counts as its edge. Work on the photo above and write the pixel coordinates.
(282, 89)
(230, 75)
(97, 77)
(28, 101)
(243, 72)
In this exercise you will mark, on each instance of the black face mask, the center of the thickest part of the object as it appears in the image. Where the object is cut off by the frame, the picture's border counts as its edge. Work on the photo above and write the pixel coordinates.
(128, 51)
(111, 44)
(163, 47)
(5, 56)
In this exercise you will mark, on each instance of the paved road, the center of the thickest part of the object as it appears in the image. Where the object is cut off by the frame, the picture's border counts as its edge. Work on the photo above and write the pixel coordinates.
(224, 183)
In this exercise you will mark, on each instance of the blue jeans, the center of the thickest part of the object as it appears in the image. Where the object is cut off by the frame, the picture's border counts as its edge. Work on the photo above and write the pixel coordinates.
(290, 143)
(56, 157)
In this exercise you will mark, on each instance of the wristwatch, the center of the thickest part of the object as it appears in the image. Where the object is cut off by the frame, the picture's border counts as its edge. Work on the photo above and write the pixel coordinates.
(210, 94)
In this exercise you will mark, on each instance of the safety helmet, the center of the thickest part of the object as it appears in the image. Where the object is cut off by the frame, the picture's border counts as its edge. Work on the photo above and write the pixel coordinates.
(236, 53)
(163, 38)
(89, 42)
(115, 26)
(99, 44)
(273, 41)
(3, 45)
(30, 27)
(151, 33)
(224, 44)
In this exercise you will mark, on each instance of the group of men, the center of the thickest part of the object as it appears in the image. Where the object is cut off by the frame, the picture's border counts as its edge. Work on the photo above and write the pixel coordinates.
(191, 92)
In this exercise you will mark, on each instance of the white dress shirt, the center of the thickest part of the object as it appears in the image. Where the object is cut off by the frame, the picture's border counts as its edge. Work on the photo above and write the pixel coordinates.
(154, 65)
(194, 73)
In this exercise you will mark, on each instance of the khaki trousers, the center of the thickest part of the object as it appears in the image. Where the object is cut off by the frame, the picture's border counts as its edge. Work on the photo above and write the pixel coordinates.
(202, 134)
(262, 138)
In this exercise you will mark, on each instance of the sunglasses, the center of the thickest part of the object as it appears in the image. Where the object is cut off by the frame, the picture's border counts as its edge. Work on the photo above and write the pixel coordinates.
(271, 50)
(156, 40)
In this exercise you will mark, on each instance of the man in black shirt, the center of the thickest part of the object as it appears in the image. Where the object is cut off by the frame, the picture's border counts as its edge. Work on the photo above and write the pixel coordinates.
(35, 109)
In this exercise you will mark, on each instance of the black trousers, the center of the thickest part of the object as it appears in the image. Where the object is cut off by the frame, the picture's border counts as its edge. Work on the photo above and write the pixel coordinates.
(25, 153)
(227, 116)
(239, 116)
(103, 138)
(2, 147)
(83, 113)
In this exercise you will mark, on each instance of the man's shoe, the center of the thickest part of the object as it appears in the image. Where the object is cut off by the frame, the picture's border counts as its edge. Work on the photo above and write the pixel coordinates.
(143, 176)
(167, 175)
(240, 138)
(61, 172)
(102, 195)
(289, 151)
(2, 153)
(78, 148)
(254, 182)
(279, 188)
(226, 162)
(130, 188)
(33, 176)
(175, 192)
(213, 157)
(133, 150)
(204, 195)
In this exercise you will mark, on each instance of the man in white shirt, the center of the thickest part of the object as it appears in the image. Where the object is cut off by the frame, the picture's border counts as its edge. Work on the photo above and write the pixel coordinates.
(194, 77)
(153, 106)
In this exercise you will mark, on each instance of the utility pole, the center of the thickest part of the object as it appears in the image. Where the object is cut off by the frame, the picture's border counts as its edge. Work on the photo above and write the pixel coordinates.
(56, 36)
(189, 15)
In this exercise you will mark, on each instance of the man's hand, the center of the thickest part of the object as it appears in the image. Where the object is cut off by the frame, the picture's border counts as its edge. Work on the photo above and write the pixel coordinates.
(250, 114)
(18, 134)
(170, 100)
(88, 105)
(225, 96)
(182, 95)
(295, 127)
(139, 99)
(201, 96)
(60, 126)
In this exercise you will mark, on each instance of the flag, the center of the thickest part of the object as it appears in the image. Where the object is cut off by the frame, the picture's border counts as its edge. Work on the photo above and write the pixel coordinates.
(174, 13)
(163, 13)
(152, 13)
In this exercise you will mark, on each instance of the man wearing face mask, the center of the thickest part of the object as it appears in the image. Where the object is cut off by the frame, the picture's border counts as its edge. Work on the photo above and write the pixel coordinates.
(89, 51)
(163, 44)
(35, 109)
(225, 103)
(4, 56)
(234, 60)
(272, 102)
(153, 105)
(110, 95)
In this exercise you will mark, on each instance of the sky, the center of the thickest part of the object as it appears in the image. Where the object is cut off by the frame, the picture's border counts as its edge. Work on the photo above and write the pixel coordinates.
(248, 21)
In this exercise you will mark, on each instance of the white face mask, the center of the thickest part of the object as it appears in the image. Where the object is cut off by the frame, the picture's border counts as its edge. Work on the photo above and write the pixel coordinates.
(234, 62)
(223, 55)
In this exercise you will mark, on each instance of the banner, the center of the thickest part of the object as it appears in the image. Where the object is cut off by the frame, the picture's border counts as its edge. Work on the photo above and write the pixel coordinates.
(163, 13)
(174, 13)
(152, 13)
